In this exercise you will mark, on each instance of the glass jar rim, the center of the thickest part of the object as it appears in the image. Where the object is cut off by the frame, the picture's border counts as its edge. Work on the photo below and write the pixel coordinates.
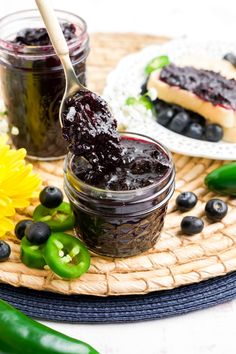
(20, 48)
(115, 193)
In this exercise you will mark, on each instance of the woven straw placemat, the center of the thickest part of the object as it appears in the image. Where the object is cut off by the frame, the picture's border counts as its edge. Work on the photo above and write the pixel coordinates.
(118, 309)
(176, 259)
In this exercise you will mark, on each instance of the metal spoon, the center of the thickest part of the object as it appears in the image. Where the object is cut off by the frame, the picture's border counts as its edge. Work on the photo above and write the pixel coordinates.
(60, 46)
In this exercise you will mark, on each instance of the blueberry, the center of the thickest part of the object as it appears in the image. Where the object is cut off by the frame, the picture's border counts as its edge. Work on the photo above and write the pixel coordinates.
(179, 122)
(191, 225)
(231, 57)
(141, 165)
(5, 251)
(195, 131)
(196, 118)
(51, 197)
(37, 233)
(165, 116)
(216, 209)
(159, 105)
(214, 132)
(186, 201)
(20, 228)
(177, 109)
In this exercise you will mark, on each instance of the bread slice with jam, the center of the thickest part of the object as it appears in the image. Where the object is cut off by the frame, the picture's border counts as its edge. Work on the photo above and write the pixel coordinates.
(205, 92)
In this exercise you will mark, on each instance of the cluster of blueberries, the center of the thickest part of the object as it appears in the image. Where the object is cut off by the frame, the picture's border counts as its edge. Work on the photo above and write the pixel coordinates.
(215, 210)
(183, 121)
(187, 123)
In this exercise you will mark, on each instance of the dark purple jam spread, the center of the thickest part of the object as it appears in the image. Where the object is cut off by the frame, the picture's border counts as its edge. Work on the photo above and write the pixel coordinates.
(91, 131)
(107, 161)
(39, 36)
(141, 164)
(206, 84)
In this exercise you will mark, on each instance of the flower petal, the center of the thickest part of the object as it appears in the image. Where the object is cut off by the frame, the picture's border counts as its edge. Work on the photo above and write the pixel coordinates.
(18, 183)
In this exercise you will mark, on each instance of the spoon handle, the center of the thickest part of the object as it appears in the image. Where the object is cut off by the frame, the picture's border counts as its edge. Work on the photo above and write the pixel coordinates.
(53, 27)
(59, 43)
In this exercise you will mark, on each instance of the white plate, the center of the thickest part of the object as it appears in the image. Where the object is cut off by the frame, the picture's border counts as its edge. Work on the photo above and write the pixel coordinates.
(127, 79)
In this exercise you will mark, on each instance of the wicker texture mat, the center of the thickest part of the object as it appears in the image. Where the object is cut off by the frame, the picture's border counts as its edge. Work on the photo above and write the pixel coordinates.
(176, 259)
(116, 309)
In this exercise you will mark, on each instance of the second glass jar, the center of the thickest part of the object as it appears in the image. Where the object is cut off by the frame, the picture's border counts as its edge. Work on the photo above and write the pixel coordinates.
(33, 83)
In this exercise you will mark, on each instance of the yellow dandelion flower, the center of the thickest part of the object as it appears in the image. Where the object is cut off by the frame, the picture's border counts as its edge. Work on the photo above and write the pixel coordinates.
(18, 184)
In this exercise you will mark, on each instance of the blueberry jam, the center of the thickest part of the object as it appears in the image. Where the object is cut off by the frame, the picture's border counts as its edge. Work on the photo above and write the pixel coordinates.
(39, 36)
(107, 161)
(121, 218)
(91, 131)
(141, 164)
(33, 81)
(206, 84)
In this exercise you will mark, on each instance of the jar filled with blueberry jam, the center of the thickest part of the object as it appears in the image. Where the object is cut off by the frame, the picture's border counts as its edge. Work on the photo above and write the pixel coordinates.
(33, 82)
(121, 213)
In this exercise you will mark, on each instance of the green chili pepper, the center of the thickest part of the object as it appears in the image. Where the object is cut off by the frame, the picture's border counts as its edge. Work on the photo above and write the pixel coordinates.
(58, 219)
(130, 101)
(146, 102)
(157, 63)
(32, 255)
(66, 255)
(20, 334)
(7, 349)
(223, 179)
(141, 100)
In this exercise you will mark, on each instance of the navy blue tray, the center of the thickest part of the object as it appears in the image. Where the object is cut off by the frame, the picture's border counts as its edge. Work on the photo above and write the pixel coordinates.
(92, 309)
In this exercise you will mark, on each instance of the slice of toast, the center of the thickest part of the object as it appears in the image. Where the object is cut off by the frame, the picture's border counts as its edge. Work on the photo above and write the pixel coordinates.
(222, 112)
(230, 135)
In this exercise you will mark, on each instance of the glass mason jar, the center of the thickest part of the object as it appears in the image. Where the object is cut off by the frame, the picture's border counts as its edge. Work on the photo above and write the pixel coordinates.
(119, 223)
(33, 82)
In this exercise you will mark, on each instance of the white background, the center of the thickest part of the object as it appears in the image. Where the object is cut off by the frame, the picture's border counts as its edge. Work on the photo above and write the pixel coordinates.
(209, 331)
(201, 18)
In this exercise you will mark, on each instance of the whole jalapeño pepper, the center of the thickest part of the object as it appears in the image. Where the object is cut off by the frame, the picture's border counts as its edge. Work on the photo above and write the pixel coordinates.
(7, 349)
(20, 334)
(223, 179)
